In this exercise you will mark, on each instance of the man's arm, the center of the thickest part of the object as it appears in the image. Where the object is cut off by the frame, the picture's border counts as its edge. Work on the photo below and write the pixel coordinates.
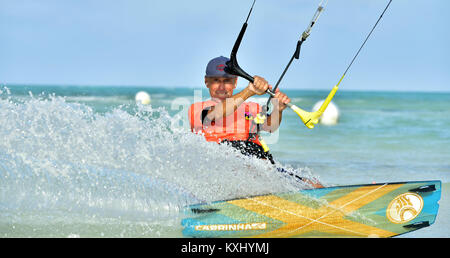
(274, 120)
(228, 107)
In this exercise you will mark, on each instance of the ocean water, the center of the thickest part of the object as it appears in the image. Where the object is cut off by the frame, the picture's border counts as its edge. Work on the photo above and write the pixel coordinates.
(88, 161)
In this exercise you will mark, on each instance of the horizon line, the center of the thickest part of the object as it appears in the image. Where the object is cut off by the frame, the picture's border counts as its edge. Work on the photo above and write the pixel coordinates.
(2, 85)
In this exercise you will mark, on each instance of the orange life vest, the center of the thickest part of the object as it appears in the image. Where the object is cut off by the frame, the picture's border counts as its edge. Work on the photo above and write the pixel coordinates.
(234, 127)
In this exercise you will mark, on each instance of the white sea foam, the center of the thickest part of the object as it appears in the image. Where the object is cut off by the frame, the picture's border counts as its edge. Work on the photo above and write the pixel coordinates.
(62, 163)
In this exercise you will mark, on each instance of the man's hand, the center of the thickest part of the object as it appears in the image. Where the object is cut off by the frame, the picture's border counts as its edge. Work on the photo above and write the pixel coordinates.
(280, 100)
(259, 86)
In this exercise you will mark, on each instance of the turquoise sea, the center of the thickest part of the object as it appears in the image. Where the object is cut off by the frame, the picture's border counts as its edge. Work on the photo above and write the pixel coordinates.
(88, 161)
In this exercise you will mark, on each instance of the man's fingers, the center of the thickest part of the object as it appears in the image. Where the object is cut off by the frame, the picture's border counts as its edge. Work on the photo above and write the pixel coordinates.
(281, 97)
(277, 95)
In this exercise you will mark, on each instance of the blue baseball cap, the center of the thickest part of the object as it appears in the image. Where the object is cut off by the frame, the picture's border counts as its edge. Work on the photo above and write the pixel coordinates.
(216, 68)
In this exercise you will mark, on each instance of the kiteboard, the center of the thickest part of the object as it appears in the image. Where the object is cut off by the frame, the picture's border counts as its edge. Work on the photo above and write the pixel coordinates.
(372, 210)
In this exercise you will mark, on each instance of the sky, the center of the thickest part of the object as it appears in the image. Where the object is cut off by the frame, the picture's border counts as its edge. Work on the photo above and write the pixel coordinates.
(168, 43)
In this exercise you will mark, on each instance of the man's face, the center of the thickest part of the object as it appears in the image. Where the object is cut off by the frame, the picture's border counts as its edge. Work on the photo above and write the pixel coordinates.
(221, 87)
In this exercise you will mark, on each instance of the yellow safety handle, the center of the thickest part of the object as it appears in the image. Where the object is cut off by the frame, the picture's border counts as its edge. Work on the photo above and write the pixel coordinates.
(312, 118)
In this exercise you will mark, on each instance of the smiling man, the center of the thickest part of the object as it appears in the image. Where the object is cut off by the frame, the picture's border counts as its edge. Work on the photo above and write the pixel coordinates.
(227, 118)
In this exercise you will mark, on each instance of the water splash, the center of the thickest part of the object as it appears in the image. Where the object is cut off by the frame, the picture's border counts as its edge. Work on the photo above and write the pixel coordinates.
(127, 172)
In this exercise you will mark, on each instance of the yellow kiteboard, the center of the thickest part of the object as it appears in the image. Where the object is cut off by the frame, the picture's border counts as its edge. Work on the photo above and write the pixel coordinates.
(374, 210)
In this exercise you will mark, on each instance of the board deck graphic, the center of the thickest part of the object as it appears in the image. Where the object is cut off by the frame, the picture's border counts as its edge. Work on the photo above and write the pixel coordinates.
(374, 210)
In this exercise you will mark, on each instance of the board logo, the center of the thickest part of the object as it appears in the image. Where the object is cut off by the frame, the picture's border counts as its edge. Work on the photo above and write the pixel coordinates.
(404, 208)
(231, 227)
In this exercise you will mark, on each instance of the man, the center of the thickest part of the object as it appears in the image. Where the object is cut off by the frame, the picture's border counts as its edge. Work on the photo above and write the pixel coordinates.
(227, 118)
